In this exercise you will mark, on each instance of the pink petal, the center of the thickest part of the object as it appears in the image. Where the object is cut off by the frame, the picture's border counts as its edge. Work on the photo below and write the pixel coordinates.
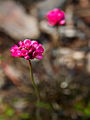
(21, 43)
(39, 56)
(34, 42)
(62, 22)
(27, 41)
(40, 48)
(24, 52)
(27, 57)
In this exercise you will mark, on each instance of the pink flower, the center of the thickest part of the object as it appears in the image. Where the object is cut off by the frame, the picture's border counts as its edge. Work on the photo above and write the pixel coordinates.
(56, 17)
(27, 49)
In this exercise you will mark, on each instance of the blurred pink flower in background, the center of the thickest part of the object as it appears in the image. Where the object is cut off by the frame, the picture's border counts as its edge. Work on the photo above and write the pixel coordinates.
(56, 17)
(27, 49)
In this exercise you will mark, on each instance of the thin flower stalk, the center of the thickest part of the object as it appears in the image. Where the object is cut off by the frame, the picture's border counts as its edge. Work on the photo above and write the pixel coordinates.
(33, 82)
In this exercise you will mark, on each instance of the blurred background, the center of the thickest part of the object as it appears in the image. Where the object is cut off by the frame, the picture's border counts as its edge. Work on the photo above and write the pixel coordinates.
(63, 76)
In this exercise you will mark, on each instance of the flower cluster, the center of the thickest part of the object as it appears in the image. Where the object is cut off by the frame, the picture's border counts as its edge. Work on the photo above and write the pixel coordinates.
(56, 17)
(27, 49)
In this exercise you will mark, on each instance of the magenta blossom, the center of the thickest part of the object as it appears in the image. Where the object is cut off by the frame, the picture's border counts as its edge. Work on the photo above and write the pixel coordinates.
(56, 17)
(27, 49)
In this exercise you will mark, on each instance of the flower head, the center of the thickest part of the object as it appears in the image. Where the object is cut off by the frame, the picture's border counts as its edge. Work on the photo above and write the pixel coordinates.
(27, 49)
(56, 17)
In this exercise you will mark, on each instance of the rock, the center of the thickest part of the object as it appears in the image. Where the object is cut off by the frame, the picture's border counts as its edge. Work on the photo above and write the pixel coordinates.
(20, 104)
(51, 31)
(15, 21)
(2, 78)
(69, 57)
(69, 32)
(88, 63)
(47, 5)
(78, 55)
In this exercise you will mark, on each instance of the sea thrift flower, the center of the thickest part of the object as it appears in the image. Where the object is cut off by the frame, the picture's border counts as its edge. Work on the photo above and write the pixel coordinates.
(27, 49)
(56, 17)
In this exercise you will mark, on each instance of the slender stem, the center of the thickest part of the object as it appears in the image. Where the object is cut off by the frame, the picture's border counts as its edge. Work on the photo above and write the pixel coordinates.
(33, 82)
(36, 91)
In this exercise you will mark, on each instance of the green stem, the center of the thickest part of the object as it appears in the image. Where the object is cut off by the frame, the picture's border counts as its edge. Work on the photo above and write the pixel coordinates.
(33, 82)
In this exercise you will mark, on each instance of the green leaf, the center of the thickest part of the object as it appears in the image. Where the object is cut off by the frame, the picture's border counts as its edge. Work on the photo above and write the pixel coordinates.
(88, 105)
(87, 111)
(1, 57)
(9, 112)
(25, 116)
(79, 106)
(1, 118)
(43, 105)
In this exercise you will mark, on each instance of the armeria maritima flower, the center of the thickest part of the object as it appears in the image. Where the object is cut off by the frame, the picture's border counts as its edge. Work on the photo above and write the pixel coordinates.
(56, 17)
(27, 49)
